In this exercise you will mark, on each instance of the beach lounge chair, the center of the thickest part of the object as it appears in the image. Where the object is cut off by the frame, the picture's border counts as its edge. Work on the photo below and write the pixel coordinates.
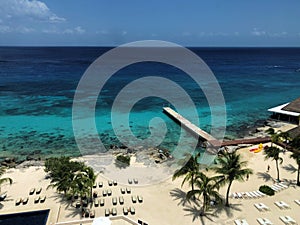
(110, 183)
(283, 185)
(100, 184)
(121, 200)
(241, 222)
(264, 221)
(84, 203)
(86, 213)
(248, 195)
(38, 191)
(140, 199)
(109, 192)
(18, 201)
(92, 214)
(114, 201)
(102, 202)
(2, 197)
(104, 193)
(140, 222)
(128, 190)
(132, 210)
(25, 200)
(115, 183)
(125, 211)
(133, 198)
(32, 190)
(37, 199)
(95, 185)
(239, 195)
(77, 204)
(43, 199)
(261, 194)
(282, 205)
(96, 202)
(122, 191)
(275, 188)
(129, 181)
(261, 207)
(287, 220)
(114, 211)
(135, 181)
(297, 201)
(106, 212)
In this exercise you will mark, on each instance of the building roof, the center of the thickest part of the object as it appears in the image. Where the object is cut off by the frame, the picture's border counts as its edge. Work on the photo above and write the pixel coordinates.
(281, 109)
(294, 106)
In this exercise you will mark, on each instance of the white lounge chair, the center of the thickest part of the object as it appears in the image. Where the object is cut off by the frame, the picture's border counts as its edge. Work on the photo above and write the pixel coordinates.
(287, 220)
(282, 205)
(239, 195)
(261, 207)
(297, 201)
(283, 185)
(264, 221)
(241, 222)
(248, 195)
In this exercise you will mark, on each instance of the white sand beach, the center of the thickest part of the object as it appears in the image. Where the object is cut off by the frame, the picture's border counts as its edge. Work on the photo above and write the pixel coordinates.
(163, 203)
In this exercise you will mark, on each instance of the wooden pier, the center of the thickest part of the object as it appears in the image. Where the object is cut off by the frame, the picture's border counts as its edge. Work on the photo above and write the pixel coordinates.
(195, 130)
(201, 134)
(253, 141)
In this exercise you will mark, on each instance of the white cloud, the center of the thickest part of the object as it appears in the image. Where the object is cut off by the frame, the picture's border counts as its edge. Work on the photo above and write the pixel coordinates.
(103, 32)
(5, 29)
(18, 29)
(79, 30)
(26, 9)
(76, 30)
(257, 32)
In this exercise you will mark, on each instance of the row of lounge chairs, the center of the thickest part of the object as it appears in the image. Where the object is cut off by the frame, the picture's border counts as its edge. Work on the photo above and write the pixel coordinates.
(108, 192)
(37, 191)
(247, 195)
(258, 194)
(142, 223)
(279, 204)
(264, 221)
(279, 186)
(25, 200)
(113, 211)
(109, 182)
(135, 181)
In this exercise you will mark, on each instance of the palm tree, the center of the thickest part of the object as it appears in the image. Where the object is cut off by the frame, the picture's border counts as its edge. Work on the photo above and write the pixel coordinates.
(189, 170)
(274, 154)
(207, 187)
(5, 179)
(231, 167)
(296, 155)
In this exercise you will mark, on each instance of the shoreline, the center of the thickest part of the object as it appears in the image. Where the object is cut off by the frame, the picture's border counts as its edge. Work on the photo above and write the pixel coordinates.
(257, 130)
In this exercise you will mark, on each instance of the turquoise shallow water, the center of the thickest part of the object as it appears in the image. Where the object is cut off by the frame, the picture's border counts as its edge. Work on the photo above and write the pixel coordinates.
(37, 86)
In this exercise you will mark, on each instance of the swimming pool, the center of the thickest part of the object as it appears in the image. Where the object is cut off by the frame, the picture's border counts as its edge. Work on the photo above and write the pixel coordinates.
(25, 218)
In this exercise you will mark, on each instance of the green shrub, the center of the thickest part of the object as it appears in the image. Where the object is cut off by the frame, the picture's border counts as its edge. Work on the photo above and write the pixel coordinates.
(266, 190)
(123, 160)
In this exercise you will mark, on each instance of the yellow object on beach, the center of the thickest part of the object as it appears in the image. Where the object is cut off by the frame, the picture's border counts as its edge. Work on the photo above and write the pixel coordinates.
(260, 147)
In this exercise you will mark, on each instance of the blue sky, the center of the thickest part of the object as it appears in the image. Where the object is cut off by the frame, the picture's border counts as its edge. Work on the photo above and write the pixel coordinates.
(189, 22)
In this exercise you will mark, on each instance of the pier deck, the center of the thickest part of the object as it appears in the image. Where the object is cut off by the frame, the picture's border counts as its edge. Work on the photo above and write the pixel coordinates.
(192, 127)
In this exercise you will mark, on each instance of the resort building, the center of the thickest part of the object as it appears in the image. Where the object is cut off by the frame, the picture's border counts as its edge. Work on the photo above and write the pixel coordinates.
(287, 112)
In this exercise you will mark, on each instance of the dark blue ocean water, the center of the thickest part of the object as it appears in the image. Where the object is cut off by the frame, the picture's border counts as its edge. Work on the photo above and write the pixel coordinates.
(37, 87)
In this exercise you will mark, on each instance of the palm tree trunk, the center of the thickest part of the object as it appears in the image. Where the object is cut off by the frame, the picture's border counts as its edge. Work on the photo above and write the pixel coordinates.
(298, 175)
(227, 194)
(277, 167)
(202, 213)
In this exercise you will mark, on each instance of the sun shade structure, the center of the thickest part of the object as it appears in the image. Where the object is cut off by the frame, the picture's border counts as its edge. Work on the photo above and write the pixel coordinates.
(101, 221)
(287, 112)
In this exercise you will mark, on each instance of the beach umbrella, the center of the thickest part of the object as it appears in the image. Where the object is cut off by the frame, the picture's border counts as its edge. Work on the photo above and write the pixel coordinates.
(101, 221)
